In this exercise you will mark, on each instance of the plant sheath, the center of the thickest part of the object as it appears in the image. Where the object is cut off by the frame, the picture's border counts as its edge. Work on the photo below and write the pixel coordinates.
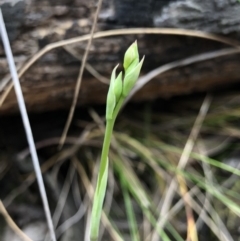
(102, 176)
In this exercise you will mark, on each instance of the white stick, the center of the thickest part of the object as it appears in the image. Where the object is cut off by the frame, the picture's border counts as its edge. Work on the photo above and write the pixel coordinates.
(26, 123)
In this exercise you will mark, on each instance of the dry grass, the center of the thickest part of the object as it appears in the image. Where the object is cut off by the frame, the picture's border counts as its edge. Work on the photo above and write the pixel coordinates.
(148, 152)
(147, 160)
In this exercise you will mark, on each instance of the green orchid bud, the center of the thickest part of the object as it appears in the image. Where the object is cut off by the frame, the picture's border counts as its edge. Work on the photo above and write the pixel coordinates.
(131, 78)
(114, 93)
(131, 57)
(111, 98)
(118, 86)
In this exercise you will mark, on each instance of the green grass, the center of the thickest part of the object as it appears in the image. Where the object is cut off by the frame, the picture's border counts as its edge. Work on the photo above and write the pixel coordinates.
(147, 160)
(146, 145)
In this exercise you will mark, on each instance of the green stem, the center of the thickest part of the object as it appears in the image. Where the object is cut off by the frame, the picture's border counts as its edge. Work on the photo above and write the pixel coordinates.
(100, 191)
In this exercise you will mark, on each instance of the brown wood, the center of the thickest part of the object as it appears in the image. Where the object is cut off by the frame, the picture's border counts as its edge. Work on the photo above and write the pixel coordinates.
(49, 83)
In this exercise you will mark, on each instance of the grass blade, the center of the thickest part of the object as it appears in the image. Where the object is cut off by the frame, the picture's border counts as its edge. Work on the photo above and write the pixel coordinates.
(27, 126)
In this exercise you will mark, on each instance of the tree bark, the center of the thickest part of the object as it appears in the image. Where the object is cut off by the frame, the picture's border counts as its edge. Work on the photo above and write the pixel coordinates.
(49, 84)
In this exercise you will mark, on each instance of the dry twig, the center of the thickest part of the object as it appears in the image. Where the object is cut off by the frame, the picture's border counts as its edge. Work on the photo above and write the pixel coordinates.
(79, 80)
(183, 162)
(12, 224)
(115, 32)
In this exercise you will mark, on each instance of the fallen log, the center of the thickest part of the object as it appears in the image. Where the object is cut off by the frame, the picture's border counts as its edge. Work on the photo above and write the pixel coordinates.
(49, 83)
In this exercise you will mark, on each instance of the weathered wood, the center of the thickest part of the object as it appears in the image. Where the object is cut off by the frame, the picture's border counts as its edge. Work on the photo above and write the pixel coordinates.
(49, 83)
